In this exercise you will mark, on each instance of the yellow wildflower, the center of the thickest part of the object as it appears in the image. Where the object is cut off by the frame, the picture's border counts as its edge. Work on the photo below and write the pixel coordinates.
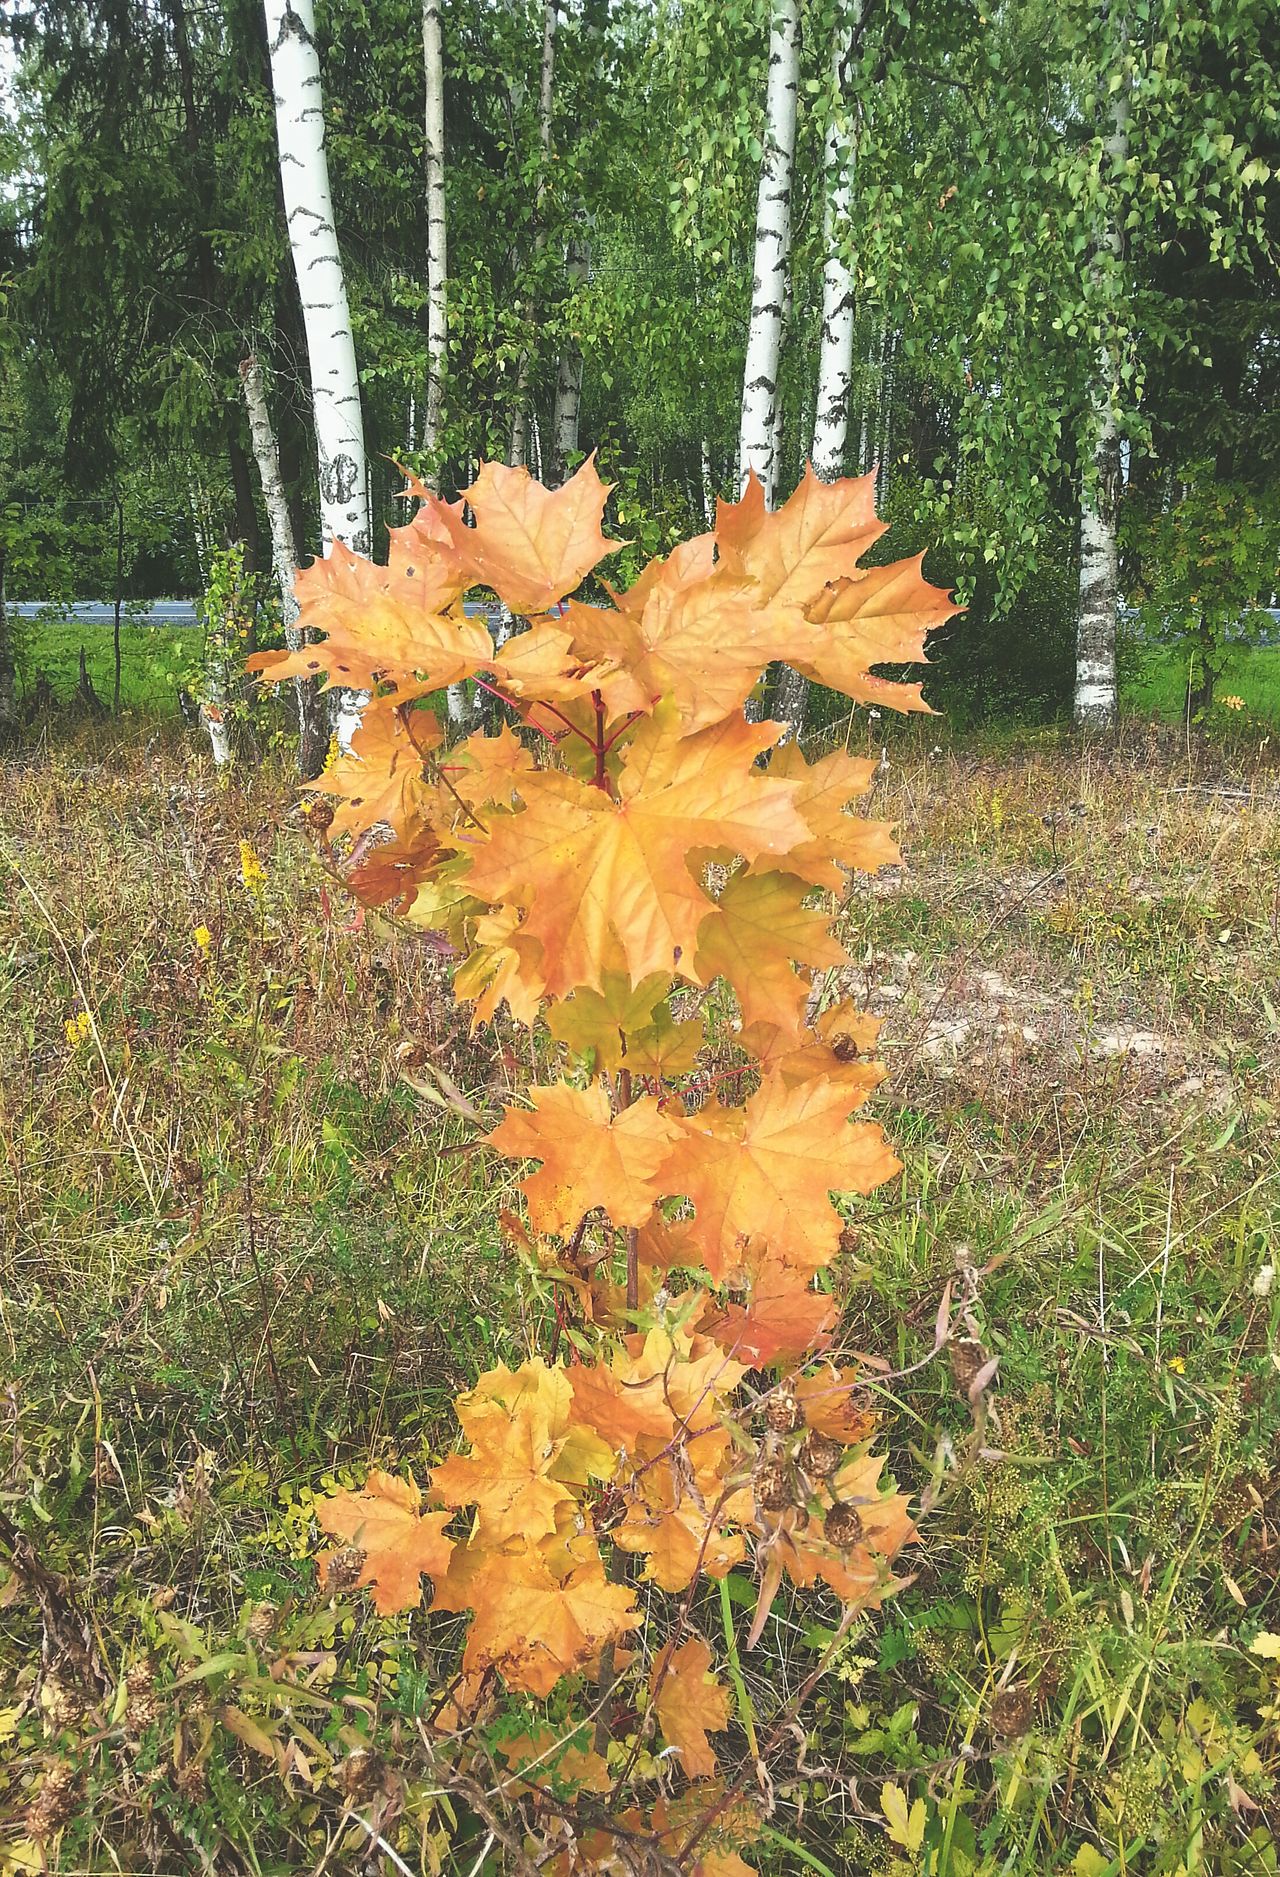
(1233, 703)
(1178, 1365)
(252, 871)
(203, 937)
(78, 1028)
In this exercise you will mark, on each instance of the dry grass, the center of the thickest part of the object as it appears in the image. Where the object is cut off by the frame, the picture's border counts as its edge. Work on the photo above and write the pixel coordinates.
(238, 1252)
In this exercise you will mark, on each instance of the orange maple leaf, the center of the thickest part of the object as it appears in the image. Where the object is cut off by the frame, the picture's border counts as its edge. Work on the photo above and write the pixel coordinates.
(532, 545)
(840, 840)
(529, 1458)
(702, 644)
(400, 1542)
(760, 929)
(504, 965)
(532, 1624)
(596, 876)
(878, 616)
(752, 1170)
(384, 622)
(483, 769)
(675, 1524)
(839, 619)
(781, 1316)
(690, 1703)
(382, 777)
(833, 1402)
(796, 551)
(590, 1156)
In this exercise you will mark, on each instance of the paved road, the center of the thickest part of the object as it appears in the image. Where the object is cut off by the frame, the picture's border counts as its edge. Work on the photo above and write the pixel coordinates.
(183, 613)
(103, 613)
(140, 612)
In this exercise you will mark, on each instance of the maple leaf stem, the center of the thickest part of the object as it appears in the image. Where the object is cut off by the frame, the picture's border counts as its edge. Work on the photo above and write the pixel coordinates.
(622, 728)
(633, 1268)
(602, 774)
(470, 813)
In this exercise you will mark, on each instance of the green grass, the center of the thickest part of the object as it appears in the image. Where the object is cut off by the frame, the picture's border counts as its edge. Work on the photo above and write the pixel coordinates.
(154, 662)
(1156, 682)
(242, 1258)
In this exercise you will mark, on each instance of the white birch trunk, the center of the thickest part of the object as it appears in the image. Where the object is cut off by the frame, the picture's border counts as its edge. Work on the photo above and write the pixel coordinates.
(772, 251)
(708, 485)
(304, 176)
(313, 735)
(1095, 697)
(437, 231)
(546, 96)
(835, 349)
(835, 352)
(313, 242)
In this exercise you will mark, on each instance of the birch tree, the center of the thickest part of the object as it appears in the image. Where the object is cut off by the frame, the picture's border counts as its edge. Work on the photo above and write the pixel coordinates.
(519, 445)
(757, 429)
(835, 344)
(313, 242)
(1095, 693)
(437, 232)
(313, 733)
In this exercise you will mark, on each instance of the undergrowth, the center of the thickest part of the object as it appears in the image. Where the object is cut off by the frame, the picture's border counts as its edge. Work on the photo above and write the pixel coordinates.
(246, 1243)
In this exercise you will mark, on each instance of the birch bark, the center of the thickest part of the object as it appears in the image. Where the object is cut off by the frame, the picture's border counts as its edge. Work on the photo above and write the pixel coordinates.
(546, 96)
(322, 289)
(835, 350)
(437, 232)
(1095, 697)
(772, 251)
(313, 733)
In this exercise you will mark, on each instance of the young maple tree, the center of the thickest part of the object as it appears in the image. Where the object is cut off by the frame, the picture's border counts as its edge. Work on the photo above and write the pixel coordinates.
(638, 846)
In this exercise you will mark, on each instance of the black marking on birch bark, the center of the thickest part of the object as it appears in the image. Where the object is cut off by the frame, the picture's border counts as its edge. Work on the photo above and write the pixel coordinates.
(338, 478)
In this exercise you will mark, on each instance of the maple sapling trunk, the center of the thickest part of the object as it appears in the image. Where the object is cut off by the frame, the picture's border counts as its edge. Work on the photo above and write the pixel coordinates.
(571, 879)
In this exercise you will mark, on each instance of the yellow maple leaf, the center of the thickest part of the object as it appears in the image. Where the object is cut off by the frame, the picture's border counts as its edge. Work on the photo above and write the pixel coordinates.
(400, 1542)
(690, 1703)
(590, 1156)
(596, 876)
(529, 1458)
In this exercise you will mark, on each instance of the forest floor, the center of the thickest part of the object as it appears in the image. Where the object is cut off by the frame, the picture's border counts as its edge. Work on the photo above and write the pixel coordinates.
(241, 1256)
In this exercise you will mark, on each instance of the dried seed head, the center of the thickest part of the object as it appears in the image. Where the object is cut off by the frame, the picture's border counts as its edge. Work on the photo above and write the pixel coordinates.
(262, 1620)
(782, 1413)
(63, 1703)
(967, 1358)
(820, 1455)
(54, 1803)
(142, 1703)
(319, 816)
(1010, 1713)
(190, 1781)
(343, 1567)
(773, 1492)
(360, 1775)
(844, 1525)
